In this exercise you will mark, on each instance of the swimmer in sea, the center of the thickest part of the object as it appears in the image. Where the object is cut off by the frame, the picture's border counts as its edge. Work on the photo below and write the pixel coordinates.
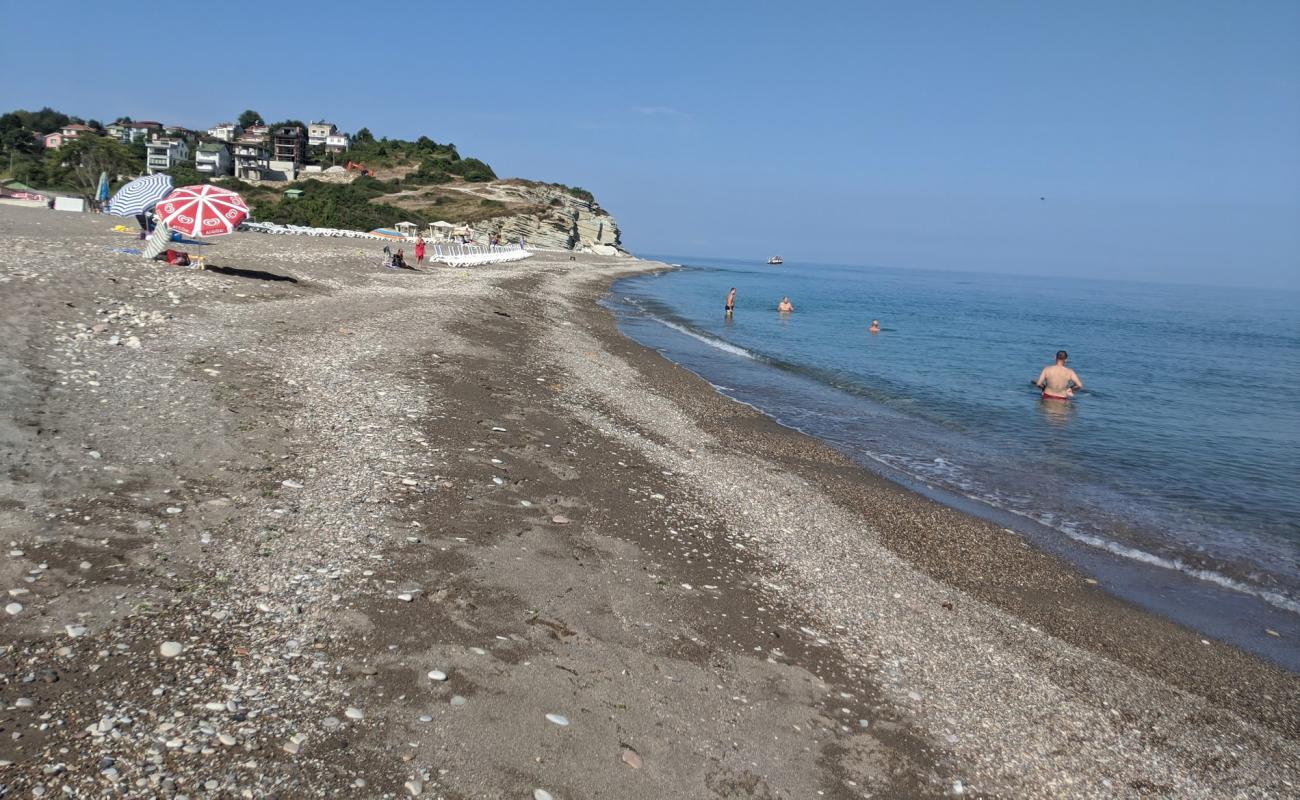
(1058, 381)
(875, 326)
(731, 301)
(785, 306)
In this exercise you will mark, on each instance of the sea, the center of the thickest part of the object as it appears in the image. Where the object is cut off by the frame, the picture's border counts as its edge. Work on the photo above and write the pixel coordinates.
(1173, 480)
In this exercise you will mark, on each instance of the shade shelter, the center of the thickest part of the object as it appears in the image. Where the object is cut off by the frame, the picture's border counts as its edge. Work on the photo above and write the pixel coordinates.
(407, 228)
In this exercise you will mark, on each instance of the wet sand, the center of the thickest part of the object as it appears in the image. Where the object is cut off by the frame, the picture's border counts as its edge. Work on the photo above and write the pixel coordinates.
(325, 489)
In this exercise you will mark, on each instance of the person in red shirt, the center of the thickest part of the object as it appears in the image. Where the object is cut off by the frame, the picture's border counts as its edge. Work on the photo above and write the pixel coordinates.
(419, 251)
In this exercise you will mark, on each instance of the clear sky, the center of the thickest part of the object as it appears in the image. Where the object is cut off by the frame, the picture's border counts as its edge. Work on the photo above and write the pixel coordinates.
(1164, 136)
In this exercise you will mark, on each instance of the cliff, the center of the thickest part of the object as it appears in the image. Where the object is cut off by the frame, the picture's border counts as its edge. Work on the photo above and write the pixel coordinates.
(548, 216)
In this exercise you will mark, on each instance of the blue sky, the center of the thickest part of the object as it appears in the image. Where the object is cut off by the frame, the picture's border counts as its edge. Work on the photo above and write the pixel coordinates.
(1163, 135)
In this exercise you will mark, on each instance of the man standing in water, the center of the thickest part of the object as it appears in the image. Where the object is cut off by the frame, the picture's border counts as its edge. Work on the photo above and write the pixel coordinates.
(1058, 381)
(731, 301)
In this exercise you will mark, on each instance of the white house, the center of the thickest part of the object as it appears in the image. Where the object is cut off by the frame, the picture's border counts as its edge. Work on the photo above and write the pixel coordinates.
(317, 132)
(126, 132)
(73, 131)
(213, 159)
(337, 142)
(162, 153)
(225, 131)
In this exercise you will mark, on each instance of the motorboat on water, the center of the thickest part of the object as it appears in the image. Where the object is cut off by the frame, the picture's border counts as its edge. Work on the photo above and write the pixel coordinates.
(776, 260)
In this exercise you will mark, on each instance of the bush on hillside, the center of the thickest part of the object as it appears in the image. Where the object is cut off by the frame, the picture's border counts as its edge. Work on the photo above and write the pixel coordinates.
(336, 205)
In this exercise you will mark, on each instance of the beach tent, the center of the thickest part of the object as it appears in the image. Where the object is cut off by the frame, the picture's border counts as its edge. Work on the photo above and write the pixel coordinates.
(406, 228)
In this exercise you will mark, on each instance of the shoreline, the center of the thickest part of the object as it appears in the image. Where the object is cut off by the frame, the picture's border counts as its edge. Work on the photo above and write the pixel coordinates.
(323, 490)
(1211, 592)
(990, 562)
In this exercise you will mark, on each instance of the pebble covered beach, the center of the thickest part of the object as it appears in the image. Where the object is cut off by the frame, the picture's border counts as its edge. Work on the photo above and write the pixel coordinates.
(299, 526)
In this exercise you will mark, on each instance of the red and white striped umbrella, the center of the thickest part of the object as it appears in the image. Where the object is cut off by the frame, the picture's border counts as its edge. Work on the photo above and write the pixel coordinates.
(202, 210)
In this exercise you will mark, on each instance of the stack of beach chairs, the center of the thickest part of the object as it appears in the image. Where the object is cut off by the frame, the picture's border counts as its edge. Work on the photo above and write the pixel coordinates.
(467, 255)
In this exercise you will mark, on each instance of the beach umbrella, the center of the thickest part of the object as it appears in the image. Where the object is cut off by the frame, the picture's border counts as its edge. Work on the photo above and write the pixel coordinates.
(140, 195)
(101, 193)
(202, 210)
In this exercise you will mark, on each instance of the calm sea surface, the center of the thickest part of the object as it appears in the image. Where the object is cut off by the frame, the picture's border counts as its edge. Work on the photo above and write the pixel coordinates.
(1177, 480)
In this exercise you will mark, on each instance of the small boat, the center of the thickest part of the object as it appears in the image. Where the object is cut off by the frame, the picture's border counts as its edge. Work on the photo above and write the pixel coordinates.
(776, 260)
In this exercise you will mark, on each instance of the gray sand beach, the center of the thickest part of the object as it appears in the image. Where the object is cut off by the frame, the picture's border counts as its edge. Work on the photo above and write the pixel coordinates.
(300, 526)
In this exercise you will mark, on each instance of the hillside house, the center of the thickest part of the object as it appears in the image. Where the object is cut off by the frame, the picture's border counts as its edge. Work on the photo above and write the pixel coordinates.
(318, 132)
(337, 142)
(213, 158)
(257, 133)
(52, 141)
(128, 132)
(162, 153)
(289, 144)
(75, 130)
(225, 131)
(250, 160)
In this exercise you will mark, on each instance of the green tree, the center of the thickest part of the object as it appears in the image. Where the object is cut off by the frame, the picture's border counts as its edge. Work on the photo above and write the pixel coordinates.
(249, 118)
(184, 174)
(78, 164)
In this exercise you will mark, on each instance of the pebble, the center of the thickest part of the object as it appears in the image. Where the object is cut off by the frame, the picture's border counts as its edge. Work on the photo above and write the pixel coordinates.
(415, 788)
(75, 631)
(353, 712)
(457, 700)
(14, 609)
(24, 702)
(542, 794)
(331, 723)
(226, 739)
(437, 675)
(632, 759)
(560, 519)
(558, 719)
(525, 504)
(426, 718)
(291, 484)
(405, 597)
(291, 747)
(170, 649)
(173, 510)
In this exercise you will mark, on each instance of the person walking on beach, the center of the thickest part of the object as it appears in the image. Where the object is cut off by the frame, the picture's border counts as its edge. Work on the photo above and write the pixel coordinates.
(419, 251)
(785, 306)
(1058, 381)
(731, 301)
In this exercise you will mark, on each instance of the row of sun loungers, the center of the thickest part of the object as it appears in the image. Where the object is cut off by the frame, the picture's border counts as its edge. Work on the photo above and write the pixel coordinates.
(455, 255)
(303, 230)
(466, 255)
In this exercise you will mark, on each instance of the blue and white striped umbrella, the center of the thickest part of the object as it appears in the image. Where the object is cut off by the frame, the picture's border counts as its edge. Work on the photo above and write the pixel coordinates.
(140, 195)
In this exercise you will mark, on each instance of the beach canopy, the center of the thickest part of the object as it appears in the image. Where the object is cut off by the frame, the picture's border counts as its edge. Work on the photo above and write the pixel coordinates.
(203, 210)
(441, 224)
(140, 195)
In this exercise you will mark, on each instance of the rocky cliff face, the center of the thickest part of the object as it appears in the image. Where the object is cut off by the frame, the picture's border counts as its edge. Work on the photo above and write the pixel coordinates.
(553, 219)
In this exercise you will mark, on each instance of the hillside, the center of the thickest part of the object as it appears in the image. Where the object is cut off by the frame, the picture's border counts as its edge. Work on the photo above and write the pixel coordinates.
(419, 181)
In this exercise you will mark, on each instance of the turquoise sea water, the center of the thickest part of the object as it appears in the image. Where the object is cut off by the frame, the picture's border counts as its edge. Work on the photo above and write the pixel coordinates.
(1177, 480)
